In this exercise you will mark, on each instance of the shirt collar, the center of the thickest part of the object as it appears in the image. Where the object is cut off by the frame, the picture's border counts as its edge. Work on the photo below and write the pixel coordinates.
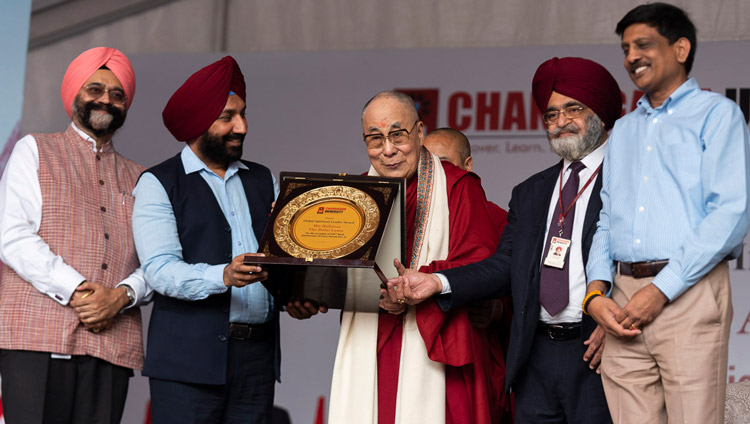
(682, 91)
(87, 137)
(592, 160)
(192, 163)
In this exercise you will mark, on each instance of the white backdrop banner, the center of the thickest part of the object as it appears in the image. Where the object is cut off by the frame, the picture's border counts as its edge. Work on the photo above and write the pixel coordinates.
(303, 112)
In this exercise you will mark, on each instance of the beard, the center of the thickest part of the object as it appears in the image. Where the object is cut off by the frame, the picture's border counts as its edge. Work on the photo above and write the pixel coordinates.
(100, 119)
(577, 145)
(215, 148)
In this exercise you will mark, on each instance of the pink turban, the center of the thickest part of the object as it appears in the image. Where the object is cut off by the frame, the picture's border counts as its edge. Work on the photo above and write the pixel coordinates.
(200, 99)
(82, 67)
(581, 79)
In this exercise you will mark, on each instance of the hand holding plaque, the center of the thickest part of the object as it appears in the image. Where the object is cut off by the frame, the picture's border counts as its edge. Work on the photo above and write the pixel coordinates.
(239, 274)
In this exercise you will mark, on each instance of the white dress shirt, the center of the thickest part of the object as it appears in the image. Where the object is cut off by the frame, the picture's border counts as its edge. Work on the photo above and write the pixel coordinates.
(576, 267)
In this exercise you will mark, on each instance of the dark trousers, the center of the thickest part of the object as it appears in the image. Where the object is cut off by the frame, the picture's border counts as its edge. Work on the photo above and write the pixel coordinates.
(40, 389)
(557, 386)
(247, 397)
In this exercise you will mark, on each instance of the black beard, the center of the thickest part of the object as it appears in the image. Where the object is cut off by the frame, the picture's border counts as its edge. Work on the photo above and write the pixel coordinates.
(215, 149)
(82, 111)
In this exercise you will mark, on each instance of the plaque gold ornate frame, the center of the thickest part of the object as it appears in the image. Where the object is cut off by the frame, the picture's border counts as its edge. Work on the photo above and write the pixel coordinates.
(305, 262)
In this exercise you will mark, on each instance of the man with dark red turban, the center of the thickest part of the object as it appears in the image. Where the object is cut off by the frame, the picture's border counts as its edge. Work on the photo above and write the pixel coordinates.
(213, 346)
(68, 333)
(555, 350)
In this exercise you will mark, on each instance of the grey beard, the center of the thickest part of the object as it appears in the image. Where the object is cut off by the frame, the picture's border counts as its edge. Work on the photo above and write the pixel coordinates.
(100, 120)
(575, 147)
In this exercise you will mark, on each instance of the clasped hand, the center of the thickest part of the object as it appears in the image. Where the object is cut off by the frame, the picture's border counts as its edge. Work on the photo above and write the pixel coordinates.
(97, 305)
(642, 308)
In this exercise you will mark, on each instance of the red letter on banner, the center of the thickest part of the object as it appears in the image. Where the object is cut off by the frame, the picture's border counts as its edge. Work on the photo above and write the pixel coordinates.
(514, 111)
(491, 109)
(459, 100)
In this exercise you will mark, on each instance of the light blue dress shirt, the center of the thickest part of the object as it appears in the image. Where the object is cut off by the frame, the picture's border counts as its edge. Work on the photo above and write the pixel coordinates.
(675, 187)
(160, 252)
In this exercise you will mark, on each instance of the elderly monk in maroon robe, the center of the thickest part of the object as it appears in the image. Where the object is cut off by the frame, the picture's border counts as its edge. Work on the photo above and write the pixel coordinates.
(431, 366)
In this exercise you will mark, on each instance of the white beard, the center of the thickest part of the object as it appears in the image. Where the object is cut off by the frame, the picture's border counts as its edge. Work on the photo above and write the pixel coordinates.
(575, 147)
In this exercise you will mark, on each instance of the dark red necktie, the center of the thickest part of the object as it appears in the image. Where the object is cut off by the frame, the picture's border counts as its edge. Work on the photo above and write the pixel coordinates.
(553, 282)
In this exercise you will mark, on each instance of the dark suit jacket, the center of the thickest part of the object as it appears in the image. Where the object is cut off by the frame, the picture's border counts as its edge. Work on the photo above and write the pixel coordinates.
(515, 266)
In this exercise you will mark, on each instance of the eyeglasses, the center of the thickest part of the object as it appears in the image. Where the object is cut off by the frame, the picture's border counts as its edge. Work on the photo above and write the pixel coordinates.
(397, 138)
(116, 95)
(570, 112)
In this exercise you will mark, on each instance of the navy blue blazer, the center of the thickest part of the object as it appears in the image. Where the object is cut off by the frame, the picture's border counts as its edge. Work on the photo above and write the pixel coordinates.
(514, 267)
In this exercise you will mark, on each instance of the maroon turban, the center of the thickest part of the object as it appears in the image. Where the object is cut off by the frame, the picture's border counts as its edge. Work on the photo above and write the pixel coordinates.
(580, 79)
(199, 101)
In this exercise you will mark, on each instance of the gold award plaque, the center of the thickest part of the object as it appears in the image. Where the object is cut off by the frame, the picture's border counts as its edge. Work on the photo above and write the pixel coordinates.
(326, 223)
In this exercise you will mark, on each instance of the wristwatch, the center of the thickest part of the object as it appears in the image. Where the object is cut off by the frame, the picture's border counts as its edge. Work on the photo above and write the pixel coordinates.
(131, 295)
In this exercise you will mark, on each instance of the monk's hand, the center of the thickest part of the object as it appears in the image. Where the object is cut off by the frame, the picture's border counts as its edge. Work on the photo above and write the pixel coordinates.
(391, 307)
(402, 270)
(239, 274)
(593, 354)
(304, 309)
(412, 288)
(644, 306)
(95, 304)
(604, 310)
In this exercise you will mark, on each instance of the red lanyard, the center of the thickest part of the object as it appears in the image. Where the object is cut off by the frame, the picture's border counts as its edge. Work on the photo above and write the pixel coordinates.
(561, 218)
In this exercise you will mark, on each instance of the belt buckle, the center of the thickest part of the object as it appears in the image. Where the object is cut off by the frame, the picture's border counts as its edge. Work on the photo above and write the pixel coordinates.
(551, 332)
(238, 331)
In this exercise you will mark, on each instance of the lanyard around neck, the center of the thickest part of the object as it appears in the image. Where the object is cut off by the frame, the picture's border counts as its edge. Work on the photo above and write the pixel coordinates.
(564, 212)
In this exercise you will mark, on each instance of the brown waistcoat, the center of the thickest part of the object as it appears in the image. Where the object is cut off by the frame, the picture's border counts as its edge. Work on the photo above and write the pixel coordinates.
(86, 219)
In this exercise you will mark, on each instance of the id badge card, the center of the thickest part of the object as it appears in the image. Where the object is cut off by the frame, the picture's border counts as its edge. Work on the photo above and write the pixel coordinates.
(558, 250)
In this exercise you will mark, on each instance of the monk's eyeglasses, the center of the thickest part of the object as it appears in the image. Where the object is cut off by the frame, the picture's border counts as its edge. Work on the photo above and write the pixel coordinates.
(570, 112)
(397, 138)
(116, 95)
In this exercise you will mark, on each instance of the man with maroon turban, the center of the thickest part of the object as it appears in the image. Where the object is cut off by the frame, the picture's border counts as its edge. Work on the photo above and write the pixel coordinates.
(555, 349)
(69, 334)
(213, 345)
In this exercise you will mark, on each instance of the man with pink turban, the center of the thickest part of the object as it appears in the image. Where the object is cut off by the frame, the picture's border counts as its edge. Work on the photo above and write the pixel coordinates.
(213, 345)
(70, 335)
(555, 349)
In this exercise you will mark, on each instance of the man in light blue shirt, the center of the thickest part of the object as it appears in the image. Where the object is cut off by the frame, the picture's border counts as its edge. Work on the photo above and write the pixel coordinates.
(675, 208)
(213, 350)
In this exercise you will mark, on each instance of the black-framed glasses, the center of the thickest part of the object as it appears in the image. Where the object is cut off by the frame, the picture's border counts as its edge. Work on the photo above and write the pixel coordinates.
(570, 112)
(396, 137)
(116, 95)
